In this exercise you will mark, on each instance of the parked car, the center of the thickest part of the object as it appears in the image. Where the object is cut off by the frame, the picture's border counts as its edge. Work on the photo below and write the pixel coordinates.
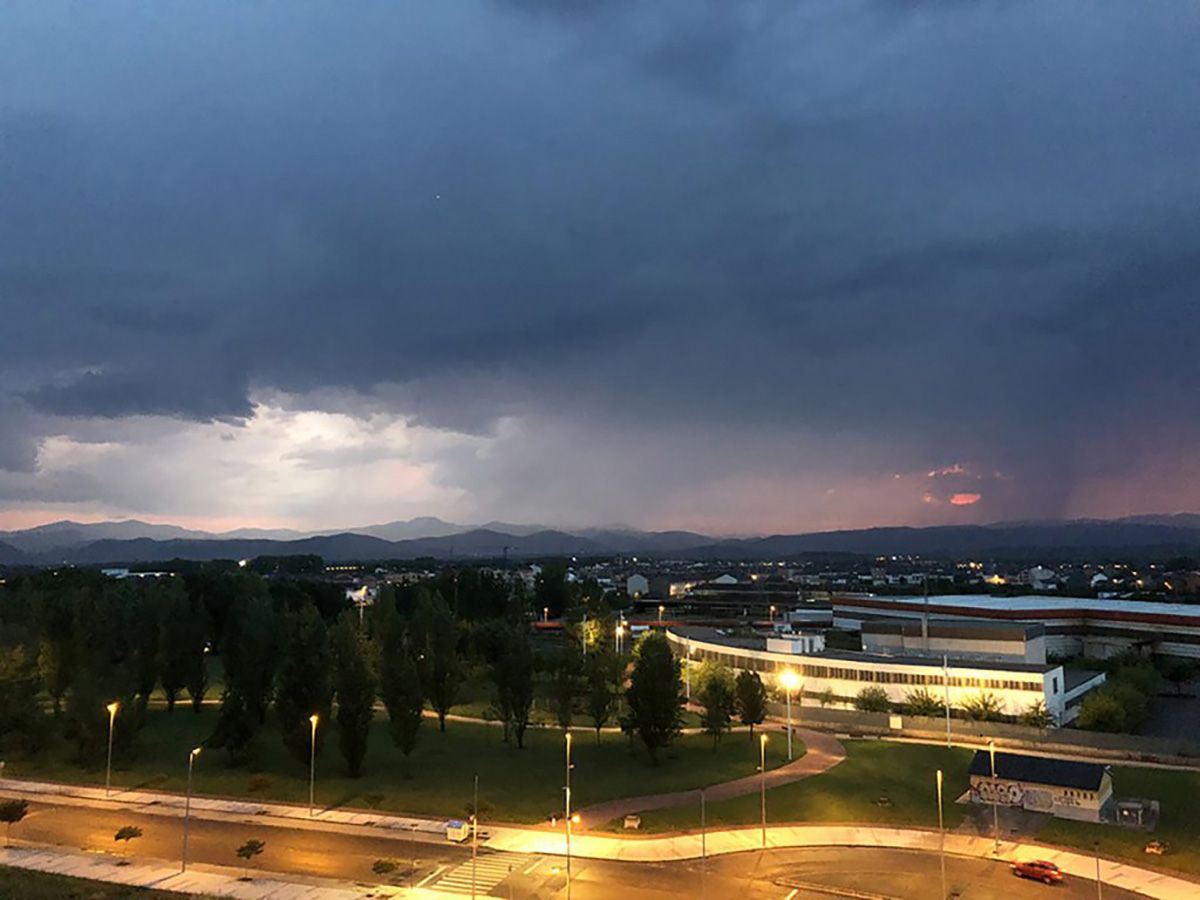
(1157, 848)
(1038, 870)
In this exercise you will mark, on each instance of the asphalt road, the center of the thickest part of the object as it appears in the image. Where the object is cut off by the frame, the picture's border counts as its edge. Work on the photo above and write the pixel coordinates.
(775, 874)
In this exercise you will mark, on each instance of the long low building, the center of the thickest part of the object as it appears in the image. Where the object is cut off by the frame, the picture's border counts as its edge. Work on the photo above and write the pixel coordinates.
(1074, 626)
(1017, 686)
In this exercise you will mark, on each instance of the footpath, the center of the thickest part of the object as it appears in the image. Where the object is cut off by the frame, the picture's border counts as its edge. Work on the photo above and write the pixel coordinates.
(822, 753)
(529, 840)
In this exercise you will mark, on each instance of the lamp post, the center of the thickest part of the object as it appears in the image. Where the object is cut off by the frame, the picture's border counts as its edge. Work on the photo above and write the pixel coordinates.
(995, 800)
(312, 765)
(112, 719)
(771, 614)
(789, 681)
(762, 781)
(941, 834)
(1099, 883)
(946, 690)
(661, 610)
(687, 670)
(187, 810)
(617, 634)
(474, 830)
(545, 614)
(567, 789)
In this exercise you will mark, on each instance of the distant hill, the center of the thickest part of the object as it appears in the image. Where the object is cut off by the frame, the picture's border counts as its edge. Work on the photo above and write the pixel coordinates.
(10, 555)
(98, 544)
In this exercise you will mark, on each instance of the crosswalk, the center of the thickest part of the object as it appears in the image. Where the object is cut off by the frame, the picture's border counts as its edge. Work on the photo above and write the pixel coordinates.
(491, 868)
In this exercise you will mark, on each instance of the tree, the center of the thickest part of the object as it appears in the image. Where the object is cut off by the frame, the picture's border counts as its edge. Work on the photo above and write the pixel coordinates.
(21, 715)
(12, 812)
(303, 684)
(717, 696)
(751, 696)
(512, 672)
(1036, 715)
(354, 687)
(127, 833)
(603, 673)
(146, 615)
(551, 590)
(178, 641)
(1116, 707)
(248, 851)
(655, 694)
(399, 679)
(235, 726)
(52, 614)
(566, 685)
(922, 703)
(251, 645)
(826, 697)
(985, 707)
(872, 699)
(1179, 672)
(436, 640)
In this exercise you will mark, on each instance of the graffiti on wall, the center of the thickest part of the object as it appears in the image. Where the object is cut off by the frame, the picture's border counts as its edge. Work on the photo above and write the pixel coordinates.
(985, 790)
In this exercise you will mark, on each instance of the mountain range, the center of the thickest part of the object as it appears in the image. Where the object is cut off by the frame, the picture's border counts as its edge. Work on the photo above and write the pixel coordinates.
(128, 541)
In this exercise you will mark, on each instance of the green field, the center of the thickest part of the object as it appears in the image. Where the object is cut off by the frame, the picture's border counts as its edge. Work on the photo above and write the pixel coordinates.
(850, 792)
(1178, 793)
(514, 785)
(40, 886)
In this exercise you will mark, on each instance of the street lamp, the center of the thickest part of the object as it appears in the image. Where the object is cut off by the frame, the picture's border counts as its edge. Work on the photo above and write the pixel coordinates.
(545, 614)
(187, 809)
(772, 613)
(995, 800)
(789, 681)
(312, 764)
(762, 780)
(474, 832)
(112, 718)
(941, 834)
(661, 610)
(1099, 883)
(619, 633)
(687, 669)
(570, 819)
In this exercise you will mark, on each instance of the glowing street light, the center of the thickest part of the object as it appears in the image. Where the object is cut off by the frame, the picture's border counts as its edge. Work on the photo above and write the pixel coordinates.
(619, 632)
(187, 809)
(772, 613)
(112, 719)
(545, 614)
(661, 610)
(790, 682)
(762, 780)
(312, 765)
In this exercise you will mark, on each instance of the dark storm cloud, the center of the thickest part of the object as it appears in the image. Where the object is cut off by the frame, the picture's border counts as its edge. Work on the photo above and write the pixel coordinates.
(954, 233)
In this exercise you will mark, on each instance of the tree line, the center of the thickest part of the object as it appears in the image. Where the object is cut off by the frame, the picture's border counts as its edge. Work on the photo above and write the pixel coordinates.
(291, 647)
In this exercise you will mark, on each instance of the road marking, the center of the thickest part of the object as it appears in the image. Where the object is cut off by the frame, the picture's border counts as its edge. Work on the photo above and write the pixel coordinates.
(790, 894)
(533, 865)
(431, 876)
(488, 870)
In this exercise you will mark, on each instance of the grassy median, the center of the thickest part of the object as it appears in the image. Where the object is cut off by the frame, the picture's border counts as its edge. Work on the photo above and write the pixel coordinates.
(30, 885)
(514, 785)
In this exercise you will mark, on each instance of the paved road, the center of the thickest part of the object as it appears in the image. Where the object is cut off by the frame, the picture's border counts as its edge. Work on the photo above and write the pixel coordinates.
(747, 876)
(822, 753)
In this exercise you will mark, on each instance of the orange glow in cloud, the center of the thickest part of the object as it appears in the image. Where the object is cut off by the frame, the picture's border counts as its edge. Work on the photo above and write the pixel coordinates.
(964, 499)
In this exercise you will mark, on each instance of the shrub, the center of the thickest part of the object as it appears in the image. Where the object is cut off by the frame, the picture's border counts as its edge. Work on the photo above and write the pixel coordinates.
(872, 699)
(986, 707)
(922, 703)
(1036, 715)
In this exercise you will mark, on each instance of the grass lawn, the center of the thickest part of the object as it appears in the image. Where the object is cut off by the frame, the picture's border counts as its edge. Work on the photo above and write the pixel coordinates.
(514, 785)
(850, 792)
(904, 773)
(42, 886)
(1179, 820)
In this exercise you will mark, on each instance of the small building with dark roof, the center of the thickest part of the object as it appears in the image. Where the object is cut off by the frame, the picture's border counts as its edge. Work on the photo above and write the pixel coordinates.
(1060, 787)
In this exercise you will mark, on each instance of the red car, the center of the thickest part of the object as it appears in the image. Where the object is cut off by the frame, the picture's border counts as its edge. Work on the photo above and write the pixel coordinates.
(1038, 870)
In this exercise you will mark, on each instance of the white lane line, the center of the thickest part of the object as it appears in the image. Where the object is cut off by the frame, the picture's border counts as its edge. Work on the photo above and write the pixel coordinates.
(790, 894)
(424, 881)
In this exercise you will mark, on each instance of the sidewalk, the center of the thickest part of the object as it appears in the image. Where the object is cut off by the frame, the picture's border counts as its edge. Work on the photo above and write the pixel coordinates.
(667, 848)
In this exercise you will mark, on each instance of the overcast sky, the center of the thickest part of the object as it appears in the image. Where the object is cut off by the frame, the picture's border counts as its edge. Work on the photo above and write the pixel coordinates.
(737, 267)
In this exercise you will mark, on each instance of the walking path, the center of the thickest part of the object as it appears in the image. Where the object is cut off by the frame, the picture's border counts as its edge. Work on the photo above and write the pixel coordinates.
(512, 839)
(822, 753)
